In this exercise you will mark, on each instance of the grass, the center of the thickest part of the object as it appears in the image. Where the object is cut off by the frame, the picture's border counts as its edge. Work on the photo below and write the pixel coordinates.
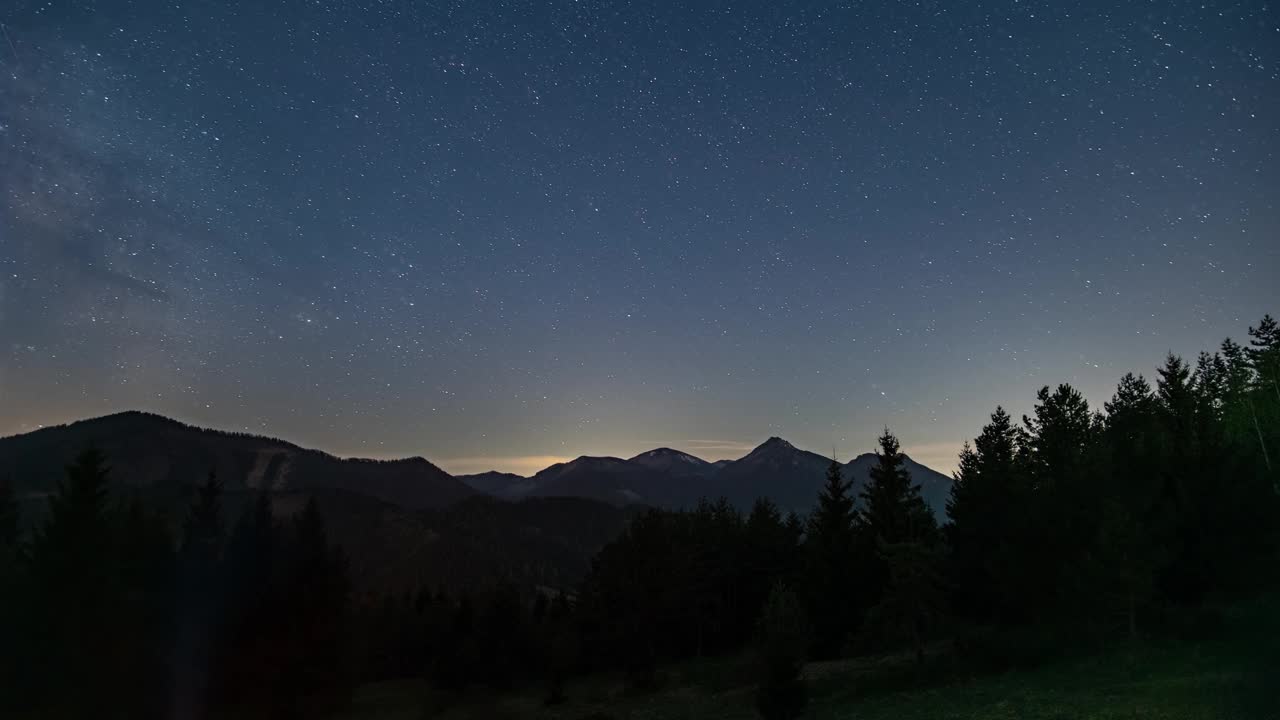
(1232, 676)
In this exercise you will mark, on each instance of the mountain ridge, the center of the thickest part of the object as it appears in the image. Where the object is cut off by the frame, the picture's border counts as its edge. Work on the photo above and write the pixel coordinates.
(662, 477)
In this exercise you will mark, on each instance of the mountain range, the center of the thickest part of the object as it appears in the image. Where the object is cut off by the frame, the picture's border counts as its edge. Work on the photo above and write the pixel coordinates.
(778, 470)
(406, 522)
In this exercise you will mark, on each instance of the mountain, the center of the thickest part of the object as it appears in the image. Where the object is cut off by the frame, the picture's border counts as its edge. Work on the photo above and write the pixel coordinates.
(498, 484)
(673, 462)
(668, 478)
(778, 470)
(792, 477)
(165, 459)
(611, 479)
(404, 524)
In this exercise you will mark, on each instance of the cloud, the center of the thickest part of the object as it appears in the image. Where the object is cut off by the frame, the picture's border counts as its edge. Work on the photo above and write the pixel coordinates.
(725, 446)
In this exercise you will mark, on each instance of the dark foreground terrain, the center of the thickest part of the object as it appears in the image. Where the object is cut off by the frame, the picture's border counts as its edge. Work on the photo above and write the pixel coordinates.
(1229, 675)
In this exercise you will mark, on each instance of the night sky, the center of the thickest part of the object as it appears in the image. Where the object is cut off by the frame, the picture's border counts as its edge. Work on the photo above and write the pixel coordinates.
(498, 234)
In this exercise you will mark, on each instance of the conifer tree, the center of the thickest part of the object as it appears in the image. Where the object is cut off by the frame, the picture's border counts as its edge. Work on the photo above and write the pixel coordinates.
(829, 550)
(892, 509)
(986, 530)
(200, 594)
(249, 649)
(770, 552)
(781, 694)
(912, 604)
(75, 590)
(315, 675)
(1056, 452)
(144, 620)
(10, 607)
(1136, 510)
(9, 520)
(1264, 354)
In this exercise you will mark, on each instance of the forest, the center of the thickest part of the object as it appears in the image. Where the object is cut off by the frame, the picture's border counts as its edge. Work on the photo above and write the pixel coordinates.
(1069, 529)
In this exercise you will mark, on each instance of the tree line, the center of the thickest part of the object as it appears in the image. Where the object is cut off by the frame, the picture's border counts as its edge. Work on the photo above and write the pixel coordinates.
(1072, 526)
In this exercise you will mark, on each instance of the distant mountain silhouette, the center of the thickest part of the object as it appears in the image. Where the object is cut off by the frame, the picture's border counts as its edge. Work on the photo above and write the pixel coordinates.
(776, 469)
(498, 484)
(164, 459)
(614, 480)
(663, 477)
(674, 462)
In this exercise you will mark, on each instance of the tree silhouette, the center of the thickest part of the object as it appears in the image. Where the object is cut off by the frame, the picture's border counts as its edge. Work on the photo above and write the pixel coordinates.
(913, 602)
(9, 519)
(783, 633)
(986, 530)
(315, 676)
(830, 566)
(75, 591)
(892, 509)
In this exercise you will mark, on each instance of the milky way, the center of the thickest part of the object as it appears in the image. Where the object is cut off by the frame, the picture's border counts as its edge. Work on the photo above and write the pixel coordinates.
(499, 233)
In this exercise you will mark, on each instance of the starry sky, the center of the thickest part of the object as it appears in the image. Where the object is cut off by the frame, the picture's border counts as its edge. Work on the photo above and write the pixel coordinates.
(497, 234)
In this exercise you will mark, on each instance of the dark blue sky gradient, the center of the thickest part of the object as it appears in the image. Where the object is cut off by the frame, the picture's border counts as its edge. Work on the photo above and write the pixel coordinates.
(496, 234)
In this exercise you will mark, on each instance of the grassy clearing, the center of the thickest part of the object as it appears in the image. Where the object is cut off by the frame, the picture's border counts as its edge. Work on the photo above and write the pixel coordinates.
(1234, 676)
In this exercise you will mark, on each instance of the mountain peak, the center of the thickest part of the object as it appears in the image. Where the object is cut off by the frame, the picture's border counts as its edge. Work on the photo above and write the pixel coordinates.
(665, 458)
(776, 442)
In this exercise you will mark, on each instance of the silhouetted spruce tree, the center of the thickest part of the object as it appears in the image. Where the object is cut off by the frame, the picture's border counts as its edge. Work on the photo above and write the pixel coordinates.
(454, 667)
(892, 512)
(11, 584)
(913, 602)
(892, 509)
(1057, 450)
(199, 597)
(147, 568)
(315, 676)
(503, 639)
(783, 637)
(250, 649)
(829, 569)
(75, 596)
(9, 519)
(987, 525)
(559, 648)
(1264, 403)
(1135, 524)
(771, 553)
(1264, 354)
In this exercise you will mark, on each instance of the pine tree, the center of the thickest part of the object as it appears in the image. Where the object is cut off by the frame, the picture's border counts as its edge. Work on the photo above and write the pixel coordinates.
(893, 513)
(829, 550)
(249, 651)
(1175, 390)
(1056, 452)
(10, 606)
(9, 520)
(913, 602)
(315, 676)
(1264, 354)
(893, 510)
(1136, 511)
(781, 694)
(771, 547)
(144, 620)
(199, 594)
(75, 591)
(986, 530)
